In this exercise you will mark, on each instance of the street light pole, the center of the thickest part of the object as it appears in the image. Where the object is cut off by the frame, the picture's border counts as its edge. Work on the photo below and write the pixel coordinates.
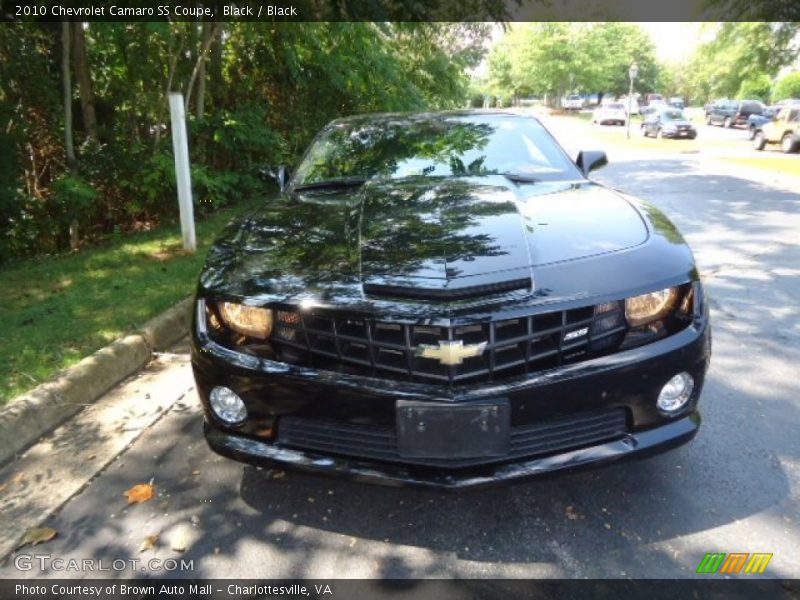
(633, 71)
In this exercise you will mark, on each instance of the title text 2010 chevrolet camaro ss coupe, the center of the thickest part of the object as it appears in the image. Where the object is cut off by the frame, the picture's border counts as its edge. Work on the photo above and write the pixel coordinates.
(446, 300)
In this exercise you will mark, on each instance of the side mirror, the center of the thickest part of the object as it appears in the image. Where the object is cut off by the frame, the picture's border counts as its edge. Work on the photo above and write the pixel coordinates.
(279, 174)
(589, 160)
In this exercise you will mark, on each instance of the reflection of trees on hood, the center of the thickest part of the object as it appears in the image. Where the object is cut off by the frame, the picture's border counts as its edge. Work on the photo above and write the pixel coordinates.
(405, 225)
(371, 149)
(321, 238)
(663, 225)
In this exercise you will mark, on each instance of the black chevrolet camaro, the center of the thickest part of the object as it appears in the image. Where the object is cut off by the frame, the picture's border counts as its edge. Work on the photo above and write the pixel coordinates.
(446, 300)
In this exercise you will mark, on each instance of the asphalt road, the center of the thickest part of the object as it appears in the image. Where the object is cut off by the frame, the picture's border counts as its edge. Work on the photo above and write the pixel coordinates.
(734, 489)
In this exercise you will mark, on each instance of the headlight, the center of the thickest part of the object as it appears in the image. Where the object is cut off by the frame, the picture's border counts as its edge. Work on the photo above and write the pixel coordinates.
(247, 320)
(643, 309)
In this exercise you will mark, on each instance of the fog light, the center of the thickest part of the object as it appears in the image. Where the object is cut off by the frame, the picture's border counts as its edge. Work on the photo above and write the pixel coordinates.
(227, 406)
(676, 393)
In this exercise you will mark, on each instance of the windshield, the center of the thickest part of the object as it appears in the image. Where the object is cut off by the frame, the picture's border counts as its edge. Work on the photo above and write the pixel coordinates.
(672, 115)
(434, 145)
(616, 107)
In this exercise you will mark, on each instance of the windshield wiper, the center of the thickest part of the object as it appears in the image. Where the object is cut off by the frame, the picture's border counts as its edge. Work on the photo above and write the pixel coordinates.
(332, 183)
(519, 178)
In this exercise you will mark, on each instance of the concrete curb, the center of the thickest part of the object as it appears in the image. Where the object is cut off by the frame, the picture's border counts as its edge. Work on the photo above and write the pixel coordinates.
(32, 415)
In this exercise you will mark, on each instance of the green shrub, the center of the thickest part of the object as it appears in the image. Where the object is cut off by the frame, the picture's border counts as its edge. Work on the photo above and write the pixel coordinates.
(787, 87)
(757, 88)
(476, 101)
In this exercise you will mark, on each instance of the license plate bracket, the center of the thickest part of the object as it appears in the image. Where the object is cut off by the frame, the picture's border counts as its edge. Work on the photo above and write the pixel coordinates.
(439, 430)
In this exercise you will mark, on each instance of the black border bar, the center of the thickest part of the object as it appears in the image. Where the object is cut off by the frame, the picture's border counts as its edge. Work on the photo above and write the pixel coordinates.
(269, 11)
(397, 589)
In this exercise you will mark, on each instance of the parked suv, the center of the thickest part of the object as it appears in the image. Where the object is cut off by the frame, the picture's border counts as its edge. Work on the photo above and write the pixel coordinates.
(729, 113)
(783, 130)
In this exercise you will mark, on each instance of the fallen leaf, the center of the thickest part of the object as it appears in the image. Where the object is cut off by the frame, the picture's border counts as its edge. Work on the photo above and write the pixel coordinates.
(17, 479)
(149, 543)
(278, 474)
(571, 513)
(195, 473)
(140, 493)
(37, 535)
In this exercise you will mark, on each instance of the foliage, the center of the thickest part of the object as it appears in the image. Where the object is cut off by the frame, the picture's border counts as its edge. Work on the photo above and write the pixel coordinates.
(557, 58)
(257, 96)
(739, 52)
(787, 86)
(757, 87)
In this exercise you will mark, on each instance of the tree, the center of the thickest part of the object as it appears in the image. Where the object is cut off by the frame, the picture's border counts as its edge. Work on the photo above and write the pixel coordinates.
(66, 78)
(83, 77)
(556, 58)
(787, 87)
(257, 95)
(739, 52)
(757, 88)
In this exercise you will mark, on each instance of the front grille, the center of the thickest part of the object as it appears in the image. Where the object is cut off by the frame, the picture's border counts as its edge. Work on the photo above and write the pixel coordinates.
(391, 349)
(380, 443)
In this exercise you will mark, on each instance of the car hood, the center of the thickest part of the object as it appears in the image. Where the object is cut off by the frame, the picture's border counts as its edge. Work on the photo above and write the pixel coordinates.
(447, 238)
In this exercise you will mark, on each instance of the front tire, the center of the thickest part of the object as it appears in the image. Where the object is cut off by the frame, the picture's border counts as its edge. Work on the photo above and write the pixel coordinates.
(759, 141)
(787, 144)
(751, 133)
(708, 120)
(728, 123)
(659, 135)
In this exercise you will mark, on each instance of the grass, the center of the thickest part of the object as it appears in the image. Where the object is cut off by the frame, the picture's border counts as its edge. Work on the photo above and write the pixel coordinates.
(57, 310)
(789, 165)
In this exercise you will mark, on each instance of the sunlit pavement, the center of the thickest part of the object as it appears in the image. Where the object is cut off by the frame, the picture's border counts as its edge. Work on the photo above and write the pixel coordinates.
(734, 489)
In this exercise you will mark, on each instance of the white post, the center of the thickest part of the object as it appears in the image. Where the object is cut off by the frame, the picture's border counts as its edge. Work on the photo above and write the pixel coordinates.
(180, 146)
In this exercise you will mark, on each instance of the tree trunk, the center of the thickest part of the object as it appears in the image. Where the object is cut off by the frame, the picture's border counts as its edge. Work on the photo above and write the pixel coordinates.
(74, 238)
(173, 64)
(201, 58)
(67, 90)
(82, 74)
(201, 72)
(215, 74)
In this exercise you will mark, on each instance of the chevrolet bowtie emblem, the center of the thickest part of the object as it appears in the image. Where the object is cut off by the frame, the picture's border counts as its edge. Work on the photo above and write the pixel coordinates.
(450, 352)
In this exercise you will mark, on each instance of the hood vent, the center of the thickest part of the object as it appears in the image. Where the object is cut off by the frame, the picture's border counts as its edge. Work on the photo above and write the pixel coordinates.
(444, 294)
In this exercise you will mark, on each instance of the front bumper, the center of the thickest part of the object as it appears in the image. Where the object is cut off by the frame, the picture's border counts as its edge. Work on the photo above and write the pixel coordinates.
(637, 445)
(681, 133)
(629, 379)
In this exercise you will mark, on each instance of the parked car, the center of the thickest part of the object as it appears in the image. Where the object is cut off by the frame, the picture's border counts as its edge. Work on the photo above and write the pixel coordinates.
(754, 122)
(709, 105)
(613, 113)
(677, 102)
(730, 113)
(668, 123)
(651, 98)
(449, 319)
(784, 129)
(573, 102)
